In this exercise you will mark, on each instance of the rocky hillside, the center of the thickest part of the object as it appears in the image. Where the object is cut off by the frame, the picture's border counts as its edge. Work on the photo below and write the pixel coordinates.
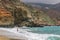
(52, 10)
(14, 12)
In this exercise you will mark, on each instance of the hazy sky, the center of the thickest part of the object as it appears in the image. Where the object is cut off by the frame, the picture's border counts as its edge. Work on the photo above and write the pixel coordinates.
(43, 1)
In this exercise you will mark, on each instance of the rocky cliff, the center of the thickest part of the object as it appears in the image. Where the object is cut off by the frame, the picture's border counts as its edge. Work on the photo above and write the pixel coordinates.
(14, 12)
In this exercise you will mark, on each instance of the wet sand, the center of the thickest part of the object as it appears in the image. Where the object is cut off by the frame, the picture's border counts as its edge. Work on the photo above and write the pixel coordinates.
(6, 38)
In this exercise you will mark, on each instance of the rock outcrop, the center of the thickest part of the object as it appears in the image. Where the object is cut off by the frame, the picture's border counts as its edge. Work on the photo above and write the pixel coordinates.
(6, 17)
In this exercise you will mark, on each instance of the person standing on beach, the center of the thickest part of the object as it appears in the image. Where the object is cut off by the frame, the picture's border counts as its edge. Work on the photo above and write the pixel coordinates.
(17, 28)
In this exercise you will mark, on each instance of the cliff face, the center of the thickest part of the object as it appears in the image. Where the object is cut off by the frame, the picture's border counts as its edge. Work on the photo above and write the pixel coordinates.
(17, 13)
(6, 17)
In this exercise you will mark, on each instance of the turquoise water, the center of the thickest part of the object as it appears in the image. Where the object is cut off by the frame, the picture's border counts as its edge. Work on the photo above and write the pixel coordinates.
(46, 30)
(44, 33)
(53, 38)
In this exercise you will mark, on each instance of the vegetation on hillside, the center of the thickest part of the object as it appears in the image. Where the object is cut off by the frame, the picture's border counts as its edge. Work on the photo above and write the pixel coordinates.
(24, 15)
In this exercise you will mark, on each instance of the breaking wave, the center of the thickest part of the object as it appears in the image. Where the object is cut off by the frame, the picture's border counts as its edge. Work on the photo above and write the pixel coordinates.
(36, 36)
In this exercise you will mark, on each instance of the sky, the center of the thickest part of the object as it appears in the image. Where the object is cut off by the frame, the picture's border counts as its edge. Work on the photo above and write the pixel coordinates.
(43, 1)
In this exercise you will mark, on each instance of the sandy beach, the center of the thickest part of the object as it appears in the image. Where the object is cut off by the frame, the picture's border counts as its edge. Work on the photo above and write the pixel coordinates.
(4, 38)
(8, 34)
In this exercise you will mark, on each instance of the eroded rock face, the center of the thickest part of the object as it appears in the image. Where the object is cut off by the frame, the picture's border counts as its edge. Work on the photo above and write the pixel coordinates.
(6, 17)
(12, 12)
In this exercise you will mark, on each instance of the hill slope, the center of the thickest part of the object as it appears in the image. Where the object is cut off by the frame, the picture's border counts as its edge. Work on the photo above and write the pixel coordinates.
(20, 14)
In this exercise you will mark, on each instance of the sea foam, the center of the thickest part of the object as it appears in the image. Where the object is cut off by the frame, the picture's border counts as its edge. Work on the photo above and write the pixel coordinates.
(35, 36)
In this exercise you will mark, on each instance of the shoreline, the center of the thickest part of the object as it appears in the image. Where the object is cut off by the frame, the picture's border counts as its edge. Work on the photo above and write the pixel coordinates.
(9, 34)
(6, 38)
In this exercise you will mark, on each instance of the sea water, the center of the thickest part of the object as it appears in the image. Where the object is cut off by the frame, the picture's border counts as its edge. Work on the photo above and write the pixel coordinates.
(43, 33)
(37, 33)
(46, 30)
